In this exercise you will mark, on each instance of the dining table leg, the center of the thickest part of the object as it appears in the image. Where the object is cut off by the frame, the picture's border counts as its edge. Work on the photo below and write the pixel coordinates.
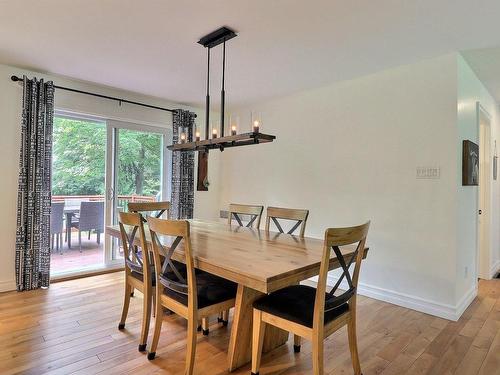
(240, 342)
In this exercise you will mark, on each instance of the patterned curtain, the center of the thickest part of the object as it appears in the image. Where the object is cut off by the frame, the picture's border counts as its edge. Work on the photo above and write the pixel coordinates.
(182, 168)
(34, 196)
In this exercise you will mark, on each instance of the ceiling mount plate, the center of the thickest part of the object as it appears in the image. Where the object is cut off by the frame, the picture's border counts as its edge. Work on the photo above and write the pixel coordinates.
(217, 37)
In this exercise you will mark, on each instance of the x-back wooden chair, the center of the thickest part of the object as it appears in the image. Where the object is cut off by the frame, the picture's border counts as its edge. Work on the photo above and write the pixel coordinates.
(156, 209)
(312, 313)
(159, 208)
(138, 272)
(255, 213)
(190, 295)
(235, 210)
(297, 215)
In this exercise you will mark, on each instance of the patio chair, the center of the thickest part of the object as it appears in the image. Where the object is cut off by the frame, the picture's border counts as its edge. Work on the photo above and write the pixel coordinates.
(75, 202)
(91, 218)
(56, 225)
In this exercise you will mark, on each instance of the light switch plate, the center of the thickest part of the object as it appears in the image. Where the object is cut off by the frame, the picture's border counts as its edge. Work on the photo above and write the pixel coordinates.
(428, 172)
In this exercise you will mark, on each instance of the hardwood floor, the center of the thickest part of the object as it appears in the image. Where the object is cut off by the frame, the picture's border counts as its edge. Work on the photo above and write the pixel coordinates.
(71, 328)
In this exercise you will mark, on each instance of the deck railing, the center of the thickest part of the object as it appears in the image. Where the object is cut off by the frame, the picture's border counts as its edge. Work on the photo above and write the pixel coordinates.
(123, 200)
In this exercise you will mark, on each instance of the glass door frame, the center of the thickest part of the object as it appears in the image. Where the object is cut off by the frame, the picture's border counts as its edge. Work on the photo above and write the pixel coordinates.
(60, 112)
(113, 127)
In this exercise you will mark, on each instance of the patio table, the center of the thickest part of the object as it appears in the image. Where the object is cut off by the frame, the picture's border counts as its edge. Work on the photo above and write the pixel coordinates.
(69, 212)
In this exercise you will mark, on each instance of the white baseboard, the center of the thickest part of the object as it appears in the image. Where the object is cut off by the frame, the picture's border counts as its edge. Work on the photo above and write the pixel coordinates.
(465, 301)
(495, 268)
(438, 309)
(7, 286)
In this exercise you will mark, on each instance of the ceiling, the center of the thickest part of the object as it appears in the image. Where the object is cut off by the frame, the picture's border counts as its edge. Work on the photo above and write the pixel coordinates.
(284, 46)
(486, 64)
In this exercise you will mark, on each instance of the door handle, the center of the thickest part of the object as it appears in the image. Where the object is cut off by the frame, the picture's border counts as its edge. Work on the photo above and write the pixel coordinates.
(111, 194)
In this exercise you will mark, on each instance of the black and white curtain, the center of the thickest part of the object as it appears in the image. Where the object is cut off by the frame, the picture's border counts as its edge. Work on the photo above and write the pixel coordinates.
(182, 202)
(34, 193)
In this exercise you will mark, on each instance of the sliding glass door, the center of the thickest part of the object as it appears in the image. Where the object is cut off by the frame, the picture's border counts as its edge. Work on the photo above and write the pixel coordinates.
(99, 166)
(78, 187)
(138, 160)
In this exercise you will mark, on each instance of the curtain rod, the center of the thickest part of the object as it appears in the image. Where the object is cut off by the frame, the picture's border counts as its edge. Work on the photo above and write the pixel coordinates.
(120, 100)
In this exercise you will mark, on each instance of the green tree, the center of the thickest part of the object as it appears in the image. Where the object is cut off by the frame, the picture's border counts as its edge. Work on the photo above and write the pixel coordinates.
(79, 152)
(78, 157)
(139, 163)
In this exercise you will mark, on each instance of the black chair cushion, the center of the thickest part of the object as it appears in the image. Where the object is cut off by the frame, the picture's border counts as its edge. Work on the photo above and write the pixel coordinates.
(140, 275)
(296, 303)
(181, 267)
(211, 290)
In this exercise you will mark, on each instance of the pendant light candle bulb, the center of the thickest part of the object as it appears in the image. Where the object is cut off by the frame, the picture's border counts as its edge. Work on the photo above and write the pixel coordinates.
(256, 125)
(214, 133)
(197, 136)
(233, 130)
(183, 137)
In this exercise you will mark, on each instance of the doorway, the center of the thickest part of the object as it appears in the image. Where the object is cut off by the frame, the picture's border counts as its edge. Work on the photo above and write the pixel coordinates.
(99, 166)
(484, 192)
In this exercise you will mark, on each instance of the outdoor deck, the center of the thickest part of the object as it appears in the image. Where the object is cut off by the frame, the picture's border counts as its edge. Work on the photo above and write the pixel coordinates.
(71, 259)
(92, 255)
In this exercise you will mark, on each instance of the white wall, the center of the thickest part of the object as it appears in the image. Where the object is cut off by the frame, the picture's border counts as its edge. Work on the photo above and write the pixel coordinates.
(470, 91)
(10, 114)
(349, 153)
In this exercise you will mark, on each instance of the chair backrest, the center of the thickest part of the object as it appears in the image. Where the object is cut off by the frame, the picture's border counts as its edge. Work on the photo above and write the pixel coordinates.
(169, 275)
(131, 228)
(74, 202)
(297, 215)
(92, 216)
(157, 209)
(334, 239)
(255, 213)
(57, 217)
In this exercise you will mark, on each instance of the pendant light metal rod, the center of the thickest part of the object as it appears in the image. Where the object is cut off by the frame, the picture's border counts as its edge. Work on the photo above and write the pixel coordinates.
(207, 104)
(223, 93)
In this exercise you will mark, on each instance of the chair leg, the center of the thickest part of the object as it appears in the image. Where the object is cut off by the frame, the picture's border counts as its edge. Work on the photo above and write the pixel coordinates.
(317, 353)
(89, 235)
(52, 242)
(146, 318)
(126, 303)
(257, 340)
(296, 343)
(353, 345)
(61, 243)
(98, 237)
(225, 318)
(157, 329)
(191, 345)
(153, 298)
(80, 240)
(205, 323)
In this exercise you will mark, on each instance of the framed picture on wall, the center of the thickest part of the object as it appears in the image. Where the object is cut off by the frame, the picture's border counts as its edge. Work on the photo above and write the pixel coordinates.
(470, 164)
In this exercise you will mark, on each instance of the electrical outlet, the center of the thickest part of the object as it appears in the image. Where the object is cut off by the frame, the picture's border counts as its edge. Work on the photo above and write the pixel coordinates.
(428, 172)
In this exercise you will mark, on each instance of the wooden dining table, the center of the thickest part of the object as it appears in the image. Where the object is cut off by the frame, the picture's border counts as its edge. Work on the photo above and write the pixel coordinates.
(259, 262)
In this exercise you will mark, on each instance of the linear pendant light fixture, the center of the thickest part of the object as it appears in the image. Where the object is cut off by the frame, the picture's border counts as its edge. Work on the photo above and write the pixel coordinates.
(215, 38)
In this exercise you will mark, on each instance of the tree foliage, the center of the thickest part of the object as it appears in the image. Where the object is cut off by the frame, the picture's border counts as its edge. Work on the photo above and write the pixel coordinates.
(79, 158)
(139, 163)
